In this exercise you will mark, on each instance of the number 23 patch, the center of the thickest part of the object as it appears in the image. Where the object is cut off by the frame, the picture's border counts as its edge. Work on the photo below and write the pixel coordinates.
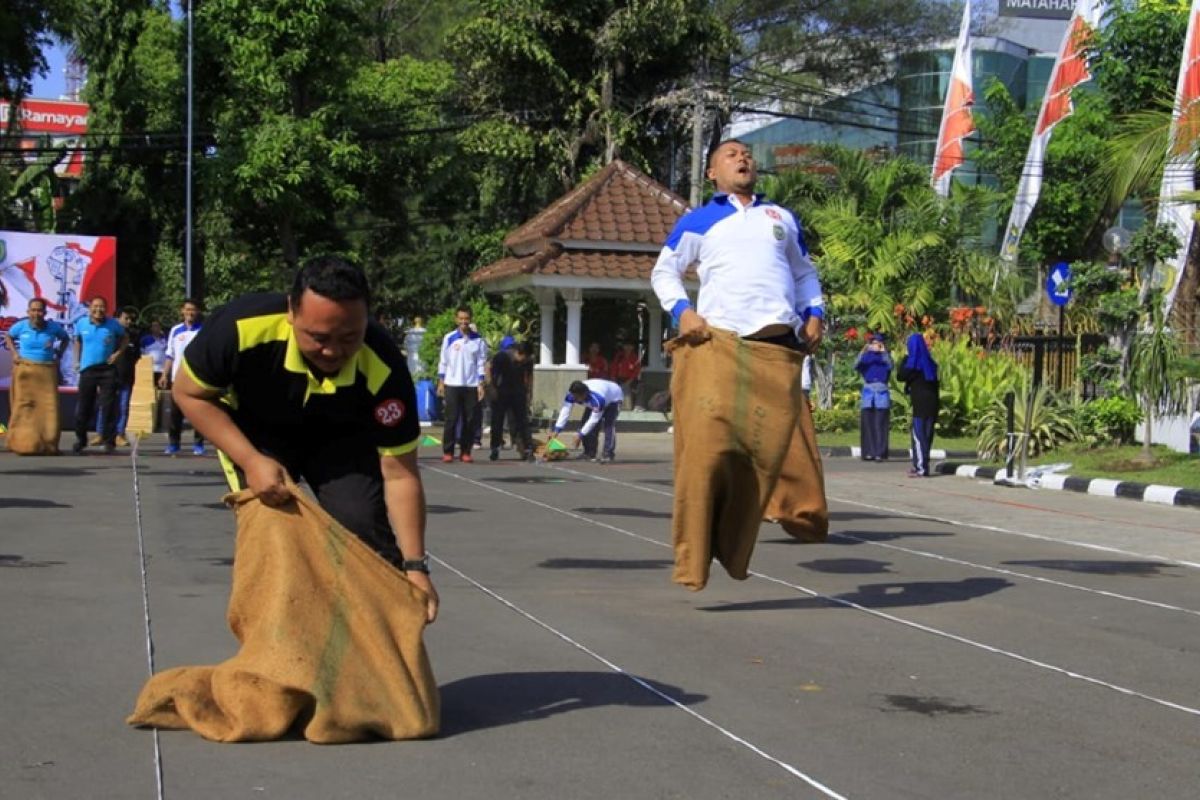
(389, 412)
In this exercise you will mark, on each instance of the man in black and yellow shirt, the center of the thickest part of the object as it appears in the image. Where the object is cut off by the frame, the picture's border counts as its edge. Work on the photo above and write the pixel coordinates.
(306, 385)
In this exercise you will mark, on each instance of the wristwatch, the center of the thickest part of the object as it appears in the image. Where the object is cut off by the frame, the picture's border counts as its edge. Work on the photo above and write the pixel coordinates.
(416, 565)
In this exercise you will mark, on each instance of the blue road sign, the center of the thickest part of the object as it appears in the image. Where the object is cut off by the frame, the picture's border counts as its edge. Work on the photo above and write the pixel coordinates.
(1058, 284)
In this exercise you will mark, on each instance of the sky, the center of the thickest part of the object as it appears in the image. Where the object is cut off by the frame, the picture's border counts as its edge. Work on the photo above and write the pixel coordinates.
(54, 82)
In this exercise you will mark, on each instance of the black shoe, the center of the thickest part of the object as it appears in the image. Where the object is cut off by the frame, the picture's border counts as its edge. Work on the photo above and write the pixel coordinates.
(77, 448)
(109, 448)
(494, 455)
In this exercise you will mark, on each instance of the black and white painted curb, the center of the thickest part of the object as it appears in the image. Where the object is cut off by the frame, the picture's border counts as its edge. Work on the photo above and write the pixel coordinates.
(1101, 487)
(899, 455)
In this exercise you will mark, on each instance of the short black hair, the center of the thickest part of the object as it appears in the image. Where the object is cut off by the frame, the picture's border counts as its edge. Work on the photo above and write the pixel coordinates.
(191, 301)
(467, 309)
(331, 277)
(578, 387)
(42, 300)
(713, 152)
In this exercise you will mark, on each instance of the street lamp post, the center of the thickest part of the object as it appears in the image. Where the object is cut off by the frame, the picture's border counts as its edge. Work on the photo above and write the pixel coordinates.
(187, 235)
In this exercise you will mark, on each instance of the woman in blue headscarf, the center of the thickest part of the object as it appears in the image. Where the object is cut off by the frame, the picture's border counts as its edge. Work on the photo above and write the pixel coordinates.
(919, 373)
(874, 364)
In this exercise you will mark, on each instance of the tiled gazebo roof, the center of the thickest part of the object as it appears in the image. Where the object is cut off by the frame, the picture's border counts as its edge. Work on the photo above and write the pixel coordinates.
(608, 228)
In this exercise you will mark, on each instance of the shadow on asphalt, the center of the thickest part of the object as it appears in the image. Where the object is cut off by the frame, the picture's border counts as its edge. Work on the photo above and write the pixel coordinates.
(882, 595)
(605, 563)
(20, 562)
(56, 472)
(491, 701)
(847, 566)
(30, 502)
(624, 512)
(436, 509)
(1137, 569)
(530, 479)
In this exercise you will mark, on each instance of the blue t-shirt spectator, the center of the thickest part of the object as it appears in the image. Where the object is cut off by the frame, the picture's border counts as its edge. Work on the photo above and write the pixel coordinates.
(97, 342)
(39, 345)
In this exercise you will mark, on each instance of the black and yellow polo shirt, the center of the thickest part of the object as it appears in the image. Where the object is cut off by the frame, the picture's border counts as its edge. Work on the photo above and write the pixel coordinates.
(247, 349)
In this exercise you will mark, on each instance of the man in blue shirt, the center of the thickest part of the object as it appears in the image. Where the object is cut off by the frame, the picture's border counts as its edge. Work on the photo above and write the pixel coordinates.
(99, 341)
(33, 394)
(36, 338)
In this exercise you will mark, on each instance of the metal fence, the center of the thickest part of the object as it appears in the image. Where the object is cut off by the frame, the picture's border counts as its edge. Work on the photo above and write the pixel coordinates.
(1054, 359)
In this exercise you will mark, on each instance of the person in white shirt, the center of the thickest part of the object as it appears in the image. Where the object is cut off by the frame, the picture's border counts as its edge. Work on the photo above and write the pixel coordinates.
(601, 401)
(462, 368)
(759, 311)
(179, 337)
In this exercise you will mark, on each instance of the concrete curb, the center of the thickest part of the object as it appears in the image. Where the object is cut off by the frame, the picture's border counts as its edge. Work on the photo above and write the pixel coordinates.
(844, 451)
(1101, 487)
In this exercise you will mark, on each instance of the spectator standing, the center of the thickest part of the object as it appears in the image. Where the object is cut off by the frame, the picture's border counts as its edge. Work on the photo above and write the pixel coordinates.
(601, 401)
(154, 344)
(627, 371)
(462, 368)
(919, 374)
(874, 364)
(99, 341)
(597, 364)
(178, 339)
(510, 398)
(323, 394)
(126, 374)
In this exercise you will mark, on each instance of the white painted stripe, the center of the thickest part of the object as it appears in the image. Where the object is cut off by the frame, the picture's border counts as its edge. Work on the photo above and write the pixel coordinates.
(1016, 574)
(1103, 487)
(855, 452)
(1161, 494)
(813, 782)
(967, 470)
(940, 454)
(1054, 481)
(141, 542)
(849, 604)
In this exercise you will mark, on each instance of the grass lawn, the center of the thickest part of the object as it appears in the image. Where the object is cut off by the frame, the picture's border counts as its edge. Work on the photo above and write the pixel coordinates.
(898, 440)
(1172, 469)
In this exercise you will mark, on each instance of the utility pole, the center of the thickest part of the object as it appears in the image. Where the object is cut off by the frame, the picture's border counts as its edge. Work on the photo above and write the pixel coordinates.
(187, 231)
(697, 174)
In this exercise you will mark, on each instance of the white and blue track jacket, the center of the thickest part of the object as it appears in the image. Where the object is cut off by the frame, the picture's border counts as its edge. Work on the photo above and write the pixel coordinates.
(753, 266)
(463, 360)
(601, 393)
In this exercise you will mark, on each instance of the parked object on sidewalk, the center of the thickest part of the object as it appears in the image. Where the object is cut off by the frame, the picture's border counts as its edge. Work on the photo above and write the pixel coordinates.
(330, 636)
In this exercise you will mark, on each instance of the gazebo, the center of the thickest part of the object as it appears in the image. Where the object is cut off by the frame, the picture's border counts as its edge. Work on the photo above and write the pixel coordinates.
(598, 241)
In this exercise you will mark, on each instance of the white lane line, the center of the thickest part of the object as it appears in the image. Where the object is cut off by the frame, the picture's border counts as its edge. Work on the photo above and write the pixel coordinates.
(1014, 573)
(926, 554)
(930, 517)
(813, 782)
(137, 514)
(849, 604)
(996, 529)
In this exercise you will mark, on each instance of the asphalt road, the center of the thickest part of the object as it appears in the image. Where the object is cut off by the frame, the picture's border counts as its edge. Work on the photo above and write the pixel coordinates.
(953, 639)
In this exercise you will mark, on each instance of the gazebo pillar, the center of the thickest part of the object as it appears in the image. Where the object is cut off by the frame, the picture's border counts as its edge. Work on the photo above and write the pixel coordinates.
(654, 333)
(547, 303)
(574, 301)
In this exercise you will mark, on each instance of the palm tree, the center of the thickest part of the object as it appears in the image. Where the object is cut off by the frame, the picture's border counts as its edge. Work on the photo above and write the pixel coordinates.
(1155, 375)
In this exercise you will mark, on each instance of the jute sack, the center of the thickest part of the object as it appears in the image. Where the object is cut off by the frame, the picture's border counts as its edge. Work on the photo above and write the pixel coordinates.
(33, 427)
(330, 639)
(735, 409)
(798, 502)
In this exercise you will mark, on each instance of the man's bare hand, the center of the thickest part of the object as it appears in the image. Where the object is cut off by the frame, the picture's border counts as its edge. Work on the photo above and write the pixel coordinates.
(422, 582)
(814, 328)
(164, 382)
(268, 479)
(441, 389)
(692, 327)
(482, 392)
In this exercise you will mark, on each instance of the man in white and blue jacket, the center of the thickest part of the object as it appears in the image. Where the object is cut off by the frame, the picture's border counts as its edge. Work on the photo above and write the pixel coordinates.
(462, 368)
(601, 401)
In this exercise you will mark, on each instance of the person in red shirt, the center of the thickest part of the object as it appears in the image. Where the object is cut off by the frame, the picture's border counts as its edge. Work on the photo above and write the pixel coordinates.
(597, 364)
(627, 371)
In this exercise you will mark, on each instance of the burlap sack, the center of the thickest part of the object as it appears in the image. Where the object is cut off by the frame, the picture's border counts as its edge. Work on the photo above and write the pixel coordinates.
(33, 427)
(798, 502)
(736, 404)
(330, 639)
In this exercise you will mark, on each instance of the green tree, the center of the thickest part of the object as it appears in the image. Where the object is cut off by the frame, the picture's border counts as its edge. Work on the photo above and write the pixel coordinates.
(1155, 374)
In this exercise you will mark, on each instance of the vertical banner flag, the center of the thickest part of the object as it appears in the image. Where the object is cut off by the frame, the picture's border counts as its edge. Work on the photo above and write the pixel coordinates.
(957, 122)
(1070, 70)
(1179, 172)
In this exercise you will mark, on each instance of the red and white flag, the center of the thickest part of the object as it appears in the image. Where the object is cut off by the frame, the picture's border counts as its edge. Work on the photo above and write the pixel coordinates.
(1179, 172)
(957, 122)
(1069, 71)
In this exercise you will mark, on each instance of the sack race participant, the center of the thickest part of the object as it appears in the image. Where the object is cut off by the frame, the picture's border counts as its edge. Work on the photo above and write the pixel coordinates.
(33, 424)
(330, 638)
(740, 416)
